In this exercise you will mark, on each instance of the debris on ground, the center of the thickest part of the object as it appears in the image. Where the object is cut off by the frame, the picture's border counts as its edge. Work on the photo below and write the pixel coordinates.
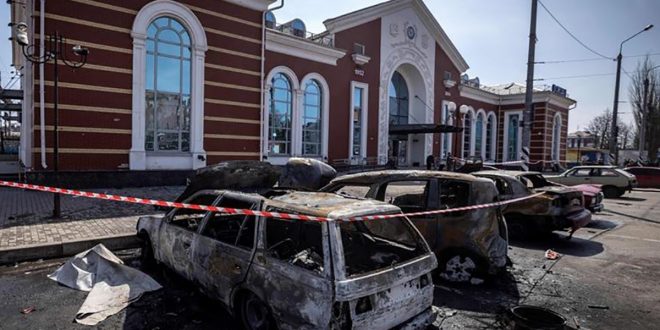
(28, 310)
(598, 307)
(552, 255)
(112, 286)
(476, 281)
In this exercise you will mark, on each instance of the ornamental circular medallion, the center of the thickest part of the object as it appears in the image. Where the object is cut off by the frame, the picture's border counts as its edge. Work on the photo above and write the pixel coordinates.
(410, 32)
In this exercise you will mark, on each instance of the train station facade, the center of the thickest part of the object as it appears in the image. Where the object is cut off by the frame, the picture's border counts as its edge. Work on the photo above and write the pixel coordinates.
(179, 85)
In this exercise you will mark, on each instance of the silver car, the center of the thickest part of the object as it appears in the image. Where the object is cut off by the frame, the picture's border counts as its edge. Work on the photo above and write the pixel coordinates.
(299, 274)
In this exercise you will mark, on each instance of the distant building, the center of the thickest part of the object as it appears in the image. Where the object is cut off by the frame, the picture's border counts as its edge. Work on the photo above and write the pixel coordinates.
(179, 85)
(582, 148)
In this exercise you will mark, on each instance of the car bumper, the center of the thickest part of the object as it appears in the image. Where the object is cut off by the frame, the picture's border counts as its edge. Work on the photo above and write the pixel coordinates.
(596, 208)
(578, 219)
(422, 321)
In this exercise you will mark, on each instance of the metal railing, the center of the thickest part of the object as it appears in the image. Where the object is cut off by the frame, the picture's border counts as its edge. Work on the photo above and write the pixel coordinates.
(319, 38)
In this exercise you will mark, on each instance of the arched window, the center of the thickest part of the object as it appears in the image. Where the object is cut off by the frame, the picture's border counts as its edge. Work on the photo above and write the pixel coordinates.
(312, 119)
(490, 137)
(447, 119)
(479, 134)
(398, 92)
(280, 115)
(512, 145)
(467, 133)
(168, 86)
(556, 137)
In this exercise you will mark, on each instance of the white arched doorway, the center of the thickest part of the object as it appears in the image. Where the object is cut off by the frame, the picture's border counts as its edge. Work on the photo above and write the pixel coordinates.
(407, 104)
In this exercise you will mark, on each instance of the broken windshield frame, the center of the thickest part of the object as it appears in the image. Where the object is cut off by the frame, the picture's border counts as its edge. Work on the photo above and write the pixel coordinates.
(371, 245)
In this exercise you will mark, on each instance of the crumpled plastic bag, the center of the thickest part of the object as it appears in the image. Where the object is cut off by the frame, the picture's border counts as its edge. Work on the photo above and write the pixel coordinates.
(112, 286)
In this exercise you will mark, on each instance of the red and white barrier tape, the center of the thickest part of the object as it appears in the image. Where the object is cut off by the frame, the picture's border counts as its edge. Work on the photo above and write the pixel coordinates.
(265, 214)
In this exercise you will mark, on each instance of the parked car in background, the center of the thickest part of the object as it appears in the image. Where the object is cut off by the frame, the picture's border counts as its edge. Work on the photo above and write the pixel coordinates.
(614, 181)
(469, 244)
(276, 273)
(647, 177)
(592, 193)
(558, 208)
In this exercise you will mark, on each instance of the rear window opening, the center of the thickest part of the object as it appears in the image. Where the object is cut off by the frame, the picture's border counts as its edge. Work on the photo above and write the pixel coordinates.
(296, 242)
(375, 244)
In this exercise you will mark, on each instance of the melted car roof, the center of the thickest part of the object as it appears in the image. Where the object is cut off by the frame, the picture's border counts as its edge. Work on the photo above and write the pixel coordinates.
(370, 177)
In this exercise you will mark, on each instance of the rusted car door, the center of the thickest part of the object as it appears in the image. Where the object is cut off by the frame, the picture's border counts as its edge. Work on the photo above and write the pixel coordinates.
(291, 272)
(176, 236)
(414, 196)
(224, 248)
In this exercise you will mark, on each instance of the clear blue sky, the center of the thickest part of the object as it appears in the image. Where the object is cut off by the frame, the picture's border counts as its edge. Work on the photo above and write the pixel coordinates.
(492, 37)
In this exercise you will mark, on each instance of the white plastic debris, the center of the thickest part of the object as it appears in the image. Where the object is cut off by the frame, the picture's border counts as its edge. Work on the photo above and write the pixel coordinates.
(112, 286)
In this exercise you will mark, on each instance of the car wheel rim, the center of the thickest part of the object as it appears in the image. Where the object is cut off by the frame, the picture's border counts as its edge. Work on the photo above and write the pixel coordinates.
(256, 314)
(458, 269)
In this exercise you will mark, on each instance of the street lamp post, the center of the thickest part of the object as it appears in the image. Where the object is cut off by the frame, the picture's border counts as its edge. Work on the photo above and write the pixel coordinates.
(644, 108)
(54, 51)
(615, 129)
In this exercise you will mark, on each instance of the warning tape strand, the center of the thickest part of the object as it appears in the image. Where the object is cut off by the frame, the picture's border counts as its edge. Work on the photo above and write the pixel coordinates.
(265, 214)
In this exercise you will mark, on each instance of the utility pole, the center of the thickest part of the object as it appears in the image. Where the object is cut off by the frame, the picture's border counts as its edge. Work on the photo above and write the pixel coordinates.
(642, 125)
(614, 150)
(528, 115)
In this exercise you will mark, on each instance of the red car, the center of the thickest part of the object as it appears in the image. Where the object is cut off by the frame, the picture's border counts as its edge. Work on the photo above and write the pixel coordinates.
(647, 177)
(593, 196)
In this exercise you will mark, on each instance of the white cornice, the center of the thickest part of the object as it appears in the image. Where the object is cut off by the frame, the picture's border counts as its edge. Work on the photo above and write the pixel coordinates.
(360, 59)
(295, 46)
(478, 94)
(368, 14)
(260, 5)
(481, 95)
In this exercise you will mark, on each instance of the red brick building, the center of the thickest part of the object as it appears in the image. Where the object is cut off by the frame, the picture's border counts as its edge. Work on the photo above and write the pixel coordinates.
(179, 85)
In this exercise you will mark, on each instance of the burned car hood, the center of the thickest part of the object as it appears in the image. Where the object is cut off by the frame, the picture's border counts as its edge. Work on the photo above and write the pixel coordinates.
(563, 191)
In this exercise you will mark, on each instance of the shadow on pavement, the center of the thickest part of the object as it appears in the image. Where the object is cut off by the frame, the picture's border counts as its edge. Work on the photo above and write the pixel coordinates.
(494, 297)
(633, 217)
(178, 305)
(630, 199)
(576, 246)
(602, 224)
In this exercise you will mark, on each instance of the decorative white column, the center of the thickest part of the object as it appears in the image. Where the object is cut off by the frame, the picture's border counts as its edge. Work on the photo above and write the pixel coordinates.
(197, 110)
(138, 155)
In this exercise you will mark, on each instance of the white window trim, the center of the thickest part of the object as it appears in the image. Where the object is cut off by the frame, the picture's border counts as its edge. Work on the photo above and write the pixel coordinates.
(139, 159)
(296, 100)
(484, 123)
(470, 112)
(325, 111)
(493, 136)
(556, 150)
(364, 121)
(505, 143)
(447, 121)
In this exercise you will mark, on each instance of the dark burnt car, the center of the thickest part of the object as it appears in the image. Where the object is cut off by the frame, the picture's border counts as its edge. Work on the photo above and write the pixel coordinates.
(285, 274)
(558, 208)
(469, 244)
(592, 193)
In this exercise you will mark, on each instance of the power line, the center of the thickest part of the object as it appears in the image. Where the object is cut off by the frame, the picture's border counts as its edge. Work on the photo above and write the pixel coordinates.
(571, 34)
(579, 76)
(593, 59)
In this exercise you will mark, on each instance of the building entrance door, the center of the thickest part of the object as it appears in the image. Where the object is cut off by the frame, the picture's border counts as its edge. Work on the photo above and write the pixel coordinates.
(398, 150)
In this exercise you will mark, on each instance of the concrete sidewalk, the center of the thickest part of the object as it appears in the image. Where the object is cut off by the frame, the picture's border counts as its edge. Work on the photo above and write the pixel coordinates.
(28, 232)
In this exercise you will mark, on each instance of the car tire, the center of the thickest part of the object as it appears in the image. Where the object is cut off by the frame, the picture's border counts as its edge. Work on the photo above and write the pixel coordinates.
(147, 259)
(460, 265)
(254, 314)
(611, 192)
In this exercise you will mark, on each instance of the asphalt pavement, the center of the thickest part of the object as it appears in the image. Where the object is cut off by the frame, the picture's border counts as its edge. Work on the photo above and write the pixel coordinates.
(605, 279)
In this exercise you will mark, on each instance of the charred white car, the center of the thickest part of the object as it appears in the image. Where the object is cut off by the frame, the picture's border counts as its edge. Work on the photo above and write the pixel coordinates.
(299, 274)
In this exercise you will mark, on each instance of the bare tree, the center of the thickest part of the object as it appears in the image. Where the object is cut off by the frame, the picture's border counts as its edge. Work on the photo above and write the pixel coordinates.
(651, 89)
(599, 126)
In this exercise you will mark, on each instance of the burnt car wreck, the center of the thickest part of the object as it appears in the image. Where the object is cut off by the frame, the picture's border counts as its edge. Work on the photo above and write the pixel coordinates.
(272, 272)
(557, 208)
(469, 245)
